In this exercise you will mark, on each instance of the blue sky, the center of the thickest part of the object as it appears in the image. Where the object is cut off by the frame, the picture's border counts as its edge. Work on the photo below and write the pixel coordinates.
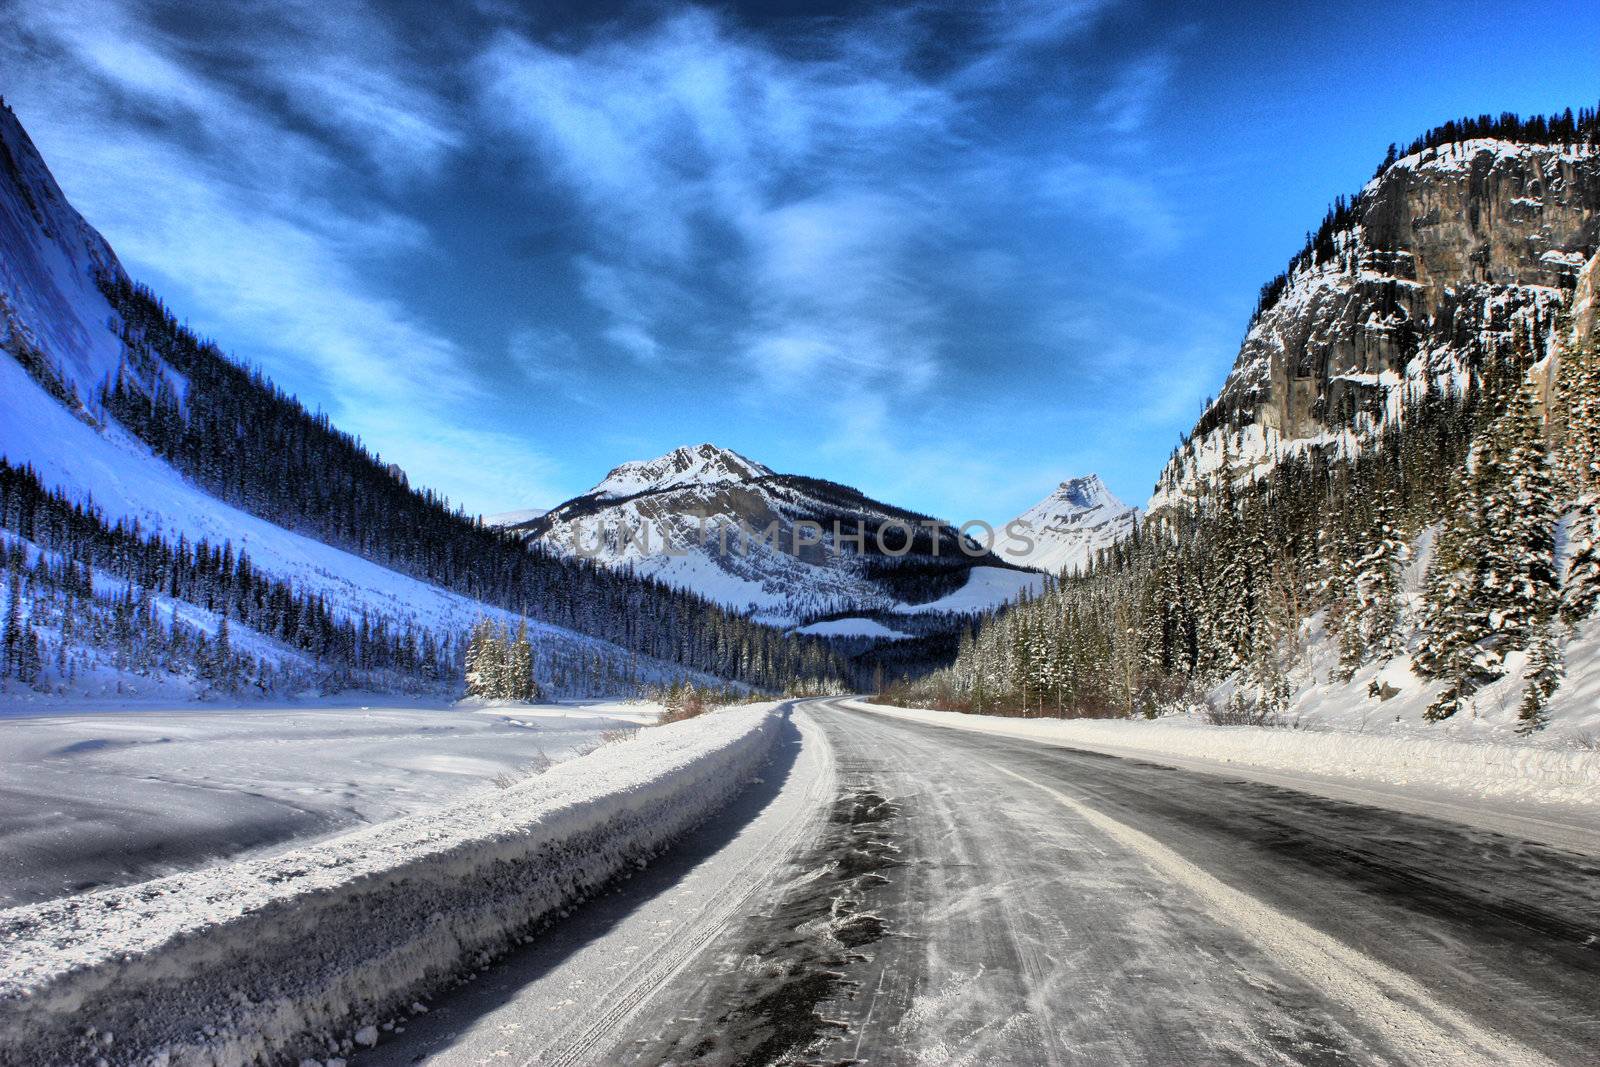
(947, 253)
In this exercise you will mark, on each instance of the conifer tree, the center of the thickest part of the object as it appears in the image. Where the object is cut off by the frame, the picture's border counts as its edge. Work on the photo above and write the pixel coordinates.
(1377, 580)
(479, 660)
(519, 667)
(1578, 390)
(15, 628)
(1546, 668)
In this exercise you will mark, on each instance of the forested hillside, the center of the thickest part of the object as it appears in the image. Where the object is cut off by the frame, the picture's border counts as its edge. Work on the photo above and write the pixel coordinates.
(1400, 472)
(247, 442)
(231, 498)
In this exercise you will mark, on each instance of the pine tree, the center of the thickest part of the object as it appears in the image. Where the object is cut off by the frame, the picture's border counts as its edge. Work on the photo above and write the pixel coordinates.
(15, 628)
(222, 660)
(519, 667)
(1578, 392)
(479, 659)
(1377, 580)
(1521, 518)
(1546, 668)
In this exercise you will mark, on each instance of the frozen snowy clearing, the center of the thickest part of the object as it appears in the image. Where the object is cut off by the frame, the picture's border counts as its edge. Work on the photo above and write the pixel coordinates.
(99, 798)
(986, 588)
(305, 953)
(852, 628)
(1543, 793)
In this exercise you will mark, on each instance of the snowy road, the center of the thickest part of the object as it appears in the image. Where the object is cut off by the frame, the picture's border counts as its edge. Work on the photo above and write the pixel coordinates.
(984, 900)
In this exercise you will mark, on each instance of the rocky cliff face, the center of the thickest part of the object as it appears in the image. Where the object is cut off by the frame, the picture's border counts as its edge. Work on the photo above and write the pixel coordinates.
(1441, 261)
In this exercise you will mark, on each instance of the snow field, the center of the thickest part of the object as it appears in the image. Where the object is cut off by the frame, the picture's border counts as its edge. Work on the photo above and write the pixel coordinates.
(301, 954)
(1468, 768)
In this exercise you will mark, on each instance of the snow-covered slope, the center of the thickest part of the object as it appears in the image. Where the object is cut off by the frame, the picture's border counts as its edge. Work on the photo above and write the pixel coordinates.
(48, 296)
(515, 518)
(709, 520)
(985, 588)
(1071, 525)
(61, 343)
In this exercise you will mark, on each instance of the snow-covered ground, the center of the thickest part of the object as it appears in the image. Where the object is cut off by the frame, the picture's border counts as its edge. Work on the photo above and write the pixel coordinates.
(310, 952)
(1321, 702)
(112, 797)
(851, 628)
(985, 588)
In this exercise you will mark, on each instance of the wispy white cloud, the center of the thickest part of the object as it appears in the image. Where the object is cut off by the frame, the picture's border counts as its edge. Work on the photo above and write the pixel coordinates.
(833, 191)
(259, 221)
(825, 223)
(702, 152)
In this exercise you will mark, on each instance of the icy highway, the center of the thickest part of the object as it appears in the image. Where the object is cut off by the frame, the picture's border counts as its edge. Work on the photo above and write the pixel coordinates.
(896, 893)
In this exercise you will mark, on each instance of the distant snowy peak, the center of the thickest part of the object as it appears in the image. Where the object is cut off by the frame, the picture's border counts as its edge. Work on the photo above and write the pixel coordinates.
(1070, 525)
(1086, 494)
(704, 464)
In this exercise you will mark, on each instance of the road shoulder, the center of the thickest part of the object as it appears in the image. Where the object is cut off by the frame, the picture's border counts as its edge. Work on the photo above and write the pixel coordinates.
(1570, 826)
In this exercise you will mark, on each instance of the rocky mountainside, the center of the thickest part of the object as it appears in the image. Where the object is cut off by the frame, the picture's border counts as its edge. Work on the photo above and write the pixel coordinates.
(173, 523)
(1071, 525)
(1449, 256)
(783, 547)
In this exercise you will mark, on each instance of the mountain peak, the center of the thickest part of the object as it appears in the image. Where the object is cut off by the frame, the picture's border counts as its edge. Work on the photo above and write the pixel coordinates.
(702, 464)
(1073, 523)
(1087, 492)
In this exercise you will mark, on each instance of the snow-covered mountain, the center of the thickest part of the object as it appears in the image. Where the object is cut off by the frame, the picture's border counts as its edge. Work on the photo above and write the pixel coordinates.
(692, 465)
(105, 403)
(1068, 527)
(709, 520)
(1391, 512)
(1450, 255)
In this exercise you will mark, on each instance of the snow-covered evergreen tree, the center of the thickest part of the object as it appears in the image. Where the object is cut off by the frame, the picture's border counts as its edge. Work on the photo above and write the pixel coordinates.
(1546, 668)
(1377, 580)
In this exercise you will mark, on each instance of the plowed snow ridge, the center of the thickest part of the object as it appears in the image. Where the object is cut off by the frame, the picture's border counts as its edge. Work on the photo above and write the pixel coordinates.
(289, 956)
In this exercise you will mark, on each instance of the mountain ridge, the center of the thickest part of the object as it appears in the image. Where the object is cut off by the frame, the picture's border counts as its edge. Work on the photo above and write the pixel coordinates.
(645, 516)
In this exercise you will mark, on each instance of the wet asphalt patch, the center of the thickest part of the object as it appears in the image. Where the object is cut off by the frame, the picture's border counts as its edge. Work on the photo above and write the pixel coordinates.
(770, 1003)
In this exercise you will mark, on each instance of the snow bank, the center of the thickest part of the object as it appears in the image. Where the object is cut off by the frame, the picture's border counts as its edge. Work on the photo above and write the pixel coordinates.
(297, 955)
(1473, 768)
